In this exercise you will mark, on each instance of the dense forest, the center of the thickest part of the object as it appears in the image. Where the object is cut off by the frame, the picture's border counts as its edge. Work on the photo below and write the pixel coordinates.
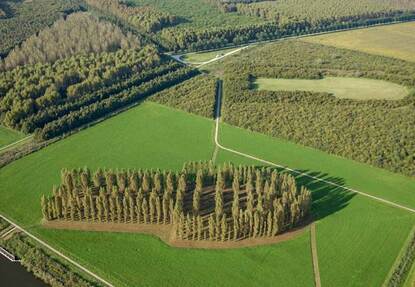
(26, 18)
(196, 96)
(316, 11)
(202, 202)
(146, 18)
(379, 132)
(79, 33)
(52, 99)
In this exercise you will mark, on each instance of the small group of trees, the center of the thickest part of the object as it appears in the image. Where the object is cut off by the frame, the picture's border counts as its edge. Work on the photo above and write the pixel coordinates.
(202, 202)
(146, 18)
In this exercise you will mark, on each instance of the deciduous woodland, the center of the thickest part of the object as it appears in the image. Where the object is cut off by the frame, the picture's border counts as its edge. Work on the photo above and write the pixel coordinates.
(146, 18)
(51, 99)
(202, 202)
(26, 18)
(79, 33)
(378, 132)
(196, 95)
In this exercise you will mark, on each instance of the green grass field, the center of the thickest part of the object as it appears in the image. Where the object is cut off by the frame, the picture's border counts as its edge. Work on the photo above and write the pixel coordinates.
(147, 136)
(343, 88)
(397, 41)
(205, 56)
(8, 136)
(351, 229)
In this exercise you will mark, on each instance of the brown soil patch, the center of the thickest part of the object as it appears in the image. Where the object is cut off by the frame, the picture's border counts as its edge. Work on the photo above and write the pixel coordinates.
(164, 232)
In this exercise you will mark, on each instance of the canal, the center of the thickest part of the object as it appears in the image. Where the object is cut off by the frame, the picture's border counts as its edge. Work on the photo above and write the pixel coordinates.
(12, 274)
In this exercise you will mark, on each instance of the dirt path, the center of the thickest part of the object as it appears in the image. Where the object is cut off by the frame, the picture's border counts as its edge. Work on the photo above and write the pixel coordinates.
(313, 241)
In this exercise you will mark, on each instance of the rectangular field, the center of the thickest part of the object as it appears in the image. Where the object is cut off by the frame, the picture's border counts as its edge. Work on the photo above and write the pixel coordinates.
(396, 41)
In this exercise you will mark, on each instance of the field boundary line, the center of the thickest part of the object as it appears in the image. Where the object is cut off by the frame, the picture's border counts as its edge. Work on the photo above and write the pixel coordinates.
(217, 119)
(255, 43)
(314, 254)
(15, 143)
(399, 257)
(106, 283)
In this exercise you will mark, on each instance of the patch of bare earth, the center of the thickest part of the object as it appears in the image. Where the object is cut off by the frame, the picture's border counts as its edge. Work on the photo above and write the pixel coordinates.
(166, 234)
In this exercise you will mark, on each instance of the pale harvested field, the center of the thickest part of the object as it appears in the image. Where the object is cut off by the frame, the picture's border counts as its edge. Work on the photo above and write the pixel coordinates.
(397, 41)
(344, 88)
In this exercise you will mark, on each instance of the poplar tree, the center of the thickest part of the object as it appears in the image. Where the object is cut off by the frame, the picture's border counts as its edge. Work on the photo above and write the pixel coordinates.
(218, 202)
(134, 182)
(188, 227)
(99, 179)
(256, 224)
(100, 209)
(224, 228)
(166, 206)
(235, 202)
(269, 224)
(146, 185)
(144, 210)
(126, 208)
(158, 210)
(196, 201)
(118, 207)
(138, 204)
(131, 208)
(199, 227)
(212, 227)
(44, 205)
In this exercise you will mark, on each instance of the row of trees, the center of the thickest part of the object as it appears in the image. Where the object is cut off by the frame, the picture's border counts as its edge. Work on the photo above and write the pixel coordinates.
(379, 132)
(100, 109)
(208, 38)
(146, 18)
(54, 98)
(30, 17)
(247, 201)
(196, 95)
(402, 269)
(79, 33)
(42, 265)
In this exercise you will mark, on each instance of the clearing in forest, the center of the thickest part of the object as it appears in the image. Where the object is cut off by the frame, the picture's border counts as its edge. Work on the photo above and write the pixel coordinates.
(344, 88)
(397, 41)
(8, 136)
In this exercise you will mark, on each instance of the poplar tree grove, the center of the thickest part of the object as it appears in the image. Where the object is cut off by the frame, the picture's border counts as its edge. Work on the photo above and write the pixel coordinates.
(200, 202)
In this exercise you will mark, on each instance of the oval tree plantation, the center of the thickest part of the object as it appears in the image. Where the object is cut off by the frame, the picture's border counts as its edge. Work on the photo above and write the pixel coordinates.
(207, 143)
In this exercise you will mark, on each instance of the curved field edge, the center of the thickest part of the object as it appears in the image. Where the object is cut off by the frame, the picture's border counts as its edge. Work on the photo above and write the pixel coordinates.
(340, 87)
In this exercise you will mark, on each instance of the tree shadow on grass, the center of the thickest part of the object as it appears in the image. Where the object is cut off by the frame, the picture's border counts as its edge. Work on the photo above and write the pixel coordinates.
(328, 196)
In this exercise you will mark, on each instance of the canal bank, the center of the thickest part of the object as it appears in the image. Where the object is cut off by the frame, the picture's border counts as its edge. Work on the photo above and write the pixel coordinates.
(12, 274)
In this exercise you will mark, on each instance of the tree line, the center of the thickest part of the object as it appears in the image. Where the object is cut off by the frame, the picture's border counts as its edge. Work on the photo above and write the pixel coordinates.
(79, 33)
(51, 99)
(378, 132)
(193, 39)
(201, 202)
(146, 18)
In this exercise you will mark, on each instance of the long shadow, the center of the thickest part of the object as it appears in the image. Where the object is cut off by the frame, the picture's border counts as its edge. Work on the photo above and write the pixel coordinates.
(327, 198)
